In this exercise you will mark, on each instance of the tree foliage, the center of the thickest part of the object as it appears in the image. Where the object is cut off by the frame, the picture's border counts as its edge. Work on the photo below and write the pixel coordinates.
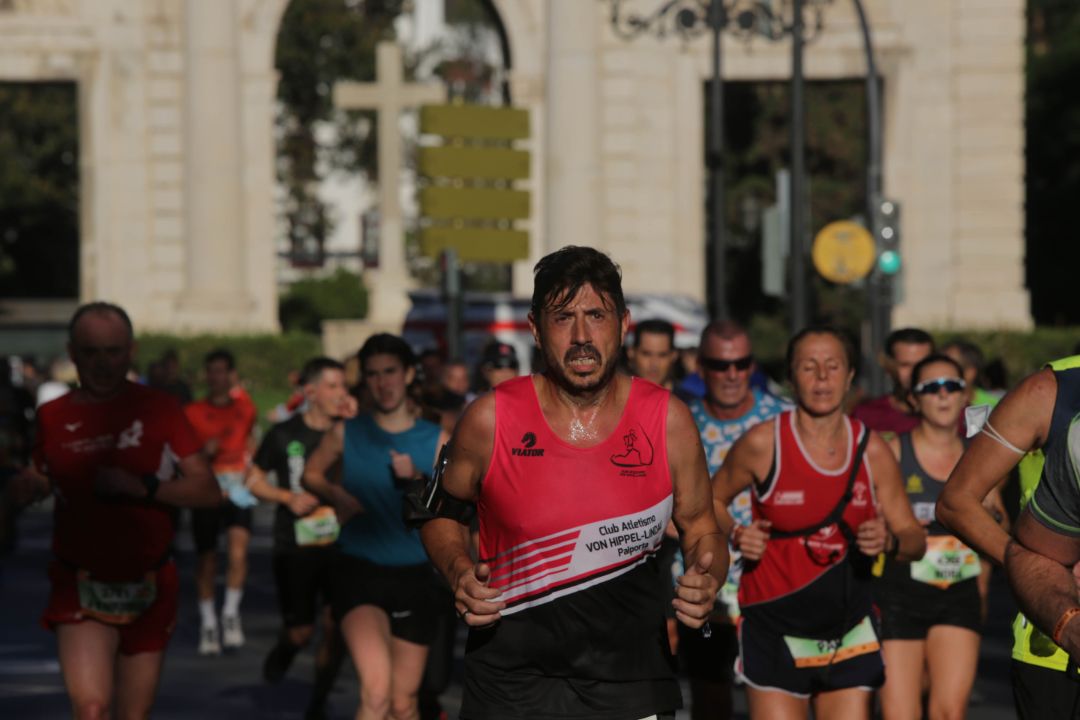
(310, 301)
(758, 144)
(321, 42)
(39, 191)
(1053, 159)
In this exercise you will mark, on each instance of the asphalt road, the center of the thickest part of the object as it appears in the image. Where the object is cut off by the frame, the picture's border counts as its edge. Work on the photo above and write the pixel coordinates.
(231, 687)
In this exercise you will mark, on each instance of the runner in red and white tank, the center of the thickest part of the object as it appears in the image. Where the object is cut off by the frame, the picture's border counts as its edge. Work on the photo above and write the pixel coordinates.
(827, 499)
(109, 453)
(575, 474)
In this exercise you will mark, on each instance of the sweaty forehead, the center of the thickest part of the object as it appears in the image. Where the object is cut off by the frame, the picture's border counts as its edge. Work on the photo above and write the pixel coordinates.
(821, 346)
(657, 342)
(731, 348)
(585, 297)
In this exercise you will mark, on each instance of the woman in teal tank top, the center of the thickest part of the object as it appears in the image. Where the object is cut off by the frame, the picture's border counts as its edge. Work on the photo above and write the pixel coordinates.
(384, 596)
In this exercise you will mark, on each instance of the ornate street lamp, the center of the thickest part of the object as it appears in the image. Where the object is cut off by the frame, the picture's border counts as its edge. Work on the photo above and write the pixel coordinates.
(773, 20)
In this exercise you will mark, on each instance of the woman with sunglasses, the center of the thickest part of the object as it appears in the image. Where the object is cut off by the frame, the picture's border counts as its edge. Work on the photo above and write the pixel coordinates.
(930, 608)
(826, 499)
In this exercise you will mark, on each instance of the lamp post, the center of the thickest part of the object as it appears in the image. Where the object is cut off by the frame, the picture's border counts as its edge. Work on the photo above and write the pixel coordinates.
(745, 18)
(879, 286)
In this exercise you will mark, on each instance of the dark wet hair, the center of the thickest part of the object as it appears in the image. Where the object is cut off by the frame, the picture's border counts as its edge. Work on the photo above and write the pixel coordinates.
(916, 372)
(313, 369)
(907, 336)
(654, 326)
(841, 336)
(560, 275)
(99, 306)
(220, 354)
(386, 344)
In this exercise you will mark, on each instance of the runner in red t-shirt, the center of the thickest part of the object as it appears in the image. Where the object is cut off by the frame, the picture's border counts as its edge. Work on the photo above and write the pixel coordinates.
(109, 452)
(223, 421)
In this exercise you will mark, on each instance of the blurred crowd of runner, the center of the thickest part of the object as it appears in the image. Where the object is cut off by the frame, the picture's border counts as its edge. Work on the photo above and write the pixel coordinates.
(843, 578)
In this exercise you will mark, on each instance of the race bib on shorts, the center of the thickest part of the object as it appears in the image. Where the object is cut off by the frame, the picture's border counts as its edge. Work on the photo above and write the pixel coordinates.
(319, 528)
(116, 603)
(229, 480)
(947, 561)
(811, 653)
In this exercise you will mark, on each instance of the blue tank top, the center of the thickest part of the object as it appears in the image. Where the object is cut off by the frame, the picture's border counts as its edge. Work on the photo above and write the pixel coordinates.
(378, 534)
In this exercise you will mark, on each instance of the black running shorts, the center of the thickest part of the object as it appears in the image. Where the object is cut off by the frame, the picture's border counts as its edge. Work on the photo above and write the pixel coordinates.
(1041, 693)
(710, 659)
(207, 524)
(769, 660)
(407, 594)
(907, 617)
(302, 577)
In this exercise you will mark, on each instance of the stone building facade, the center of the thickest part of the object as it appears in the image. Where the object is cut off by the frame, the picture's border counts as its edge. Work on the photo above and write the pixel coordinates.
(176, 117)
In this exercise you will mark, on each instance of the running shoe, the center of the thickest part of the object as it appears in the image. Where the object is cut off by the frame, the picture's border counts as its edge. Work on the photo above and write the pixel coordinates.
(278, 661)
(232, 634)
(208, 641)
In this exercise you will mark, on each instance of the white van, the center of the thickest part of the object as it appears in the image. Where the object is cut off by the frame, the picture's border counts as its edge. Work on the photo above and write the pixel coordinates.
(503, 317)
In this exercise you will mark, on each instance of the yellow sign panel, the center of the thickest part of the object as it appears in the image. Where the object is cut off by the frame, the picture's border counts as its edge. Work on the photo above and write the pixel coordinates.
(475, 121)
(476, 244)
(843, 252)
(447, 203)
(481, 163)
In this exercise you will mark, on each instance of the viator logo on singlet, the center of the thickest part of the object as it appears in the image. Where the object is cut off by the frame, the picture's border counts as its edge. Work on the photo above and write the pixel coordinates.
(528, 440)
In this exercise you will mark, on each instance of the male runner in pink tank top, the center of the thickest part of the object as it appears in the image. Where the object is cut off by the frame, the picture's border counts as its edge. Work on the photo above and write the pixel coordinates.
(574, 475)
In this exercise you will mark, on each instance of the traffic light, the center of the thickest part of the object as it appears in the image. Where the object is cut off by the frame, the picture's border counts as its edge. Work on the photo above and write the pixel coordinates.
(887, 236)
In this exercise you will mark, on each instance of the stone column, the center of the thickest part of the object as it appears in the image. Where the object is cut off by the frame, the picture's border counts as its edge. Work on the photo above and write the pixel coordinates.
(215, 283)
(570, 143)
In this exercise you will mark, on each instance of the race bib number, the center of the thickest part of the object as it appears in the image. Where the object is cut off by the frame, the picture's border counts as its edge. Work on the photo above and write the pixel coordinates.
(811, 653)
(947, 561)
(729, 595)
(116, 603)
(229, 480)
(319, 528)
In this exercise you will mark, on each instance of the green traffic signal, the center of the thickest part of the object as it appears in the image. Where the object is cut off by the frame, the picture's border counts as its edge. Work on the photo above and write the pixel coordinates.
(889, 262)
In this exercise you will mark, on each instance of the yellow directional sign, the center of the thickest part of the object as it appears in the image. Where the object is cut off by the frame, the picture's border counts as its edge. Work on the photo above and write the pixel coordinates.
(475, 121)
(472, 198)
(449, 203)
(843, 252)
(476, 244)
(480, 162)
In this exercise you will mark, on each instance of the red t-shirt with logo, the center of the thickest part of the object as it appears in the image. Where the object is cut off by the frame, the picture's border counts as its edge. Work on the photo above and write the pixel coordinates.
(231, 424)
(140, 430)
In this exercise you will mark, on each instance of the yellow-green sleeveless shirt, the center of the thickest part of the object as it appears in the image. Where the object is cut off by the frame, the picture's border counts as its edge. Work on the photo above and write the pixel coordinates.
(1031, 645)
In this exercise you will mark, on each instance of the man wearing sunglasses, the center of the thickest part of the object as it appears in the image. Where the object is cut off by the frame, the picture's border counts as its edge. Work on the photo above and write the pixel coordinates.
(892, 413)
(730, 407)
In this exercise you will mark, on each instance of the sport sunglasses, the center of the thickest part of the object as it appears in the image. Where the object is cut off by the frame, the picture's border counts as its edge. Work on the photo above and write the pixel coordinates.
(933, 387)
(717, 365)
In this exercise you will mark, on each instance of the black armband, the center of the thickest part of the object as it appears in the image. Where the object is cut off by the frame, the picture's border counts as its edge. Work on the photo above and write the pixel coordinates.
(151, 482)
(433, 501)
(444, 505)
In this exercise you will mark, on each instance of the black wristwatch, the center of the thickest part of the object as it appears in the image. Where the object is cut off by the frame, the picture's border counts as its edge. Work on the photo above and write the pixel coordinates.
(151, 482)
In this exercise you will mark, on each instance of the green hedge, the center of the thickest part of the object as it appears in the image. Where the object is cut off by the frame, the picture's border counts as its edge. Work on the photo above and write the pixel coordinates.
(339, 296)
(263, 361)
(1023, 352)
